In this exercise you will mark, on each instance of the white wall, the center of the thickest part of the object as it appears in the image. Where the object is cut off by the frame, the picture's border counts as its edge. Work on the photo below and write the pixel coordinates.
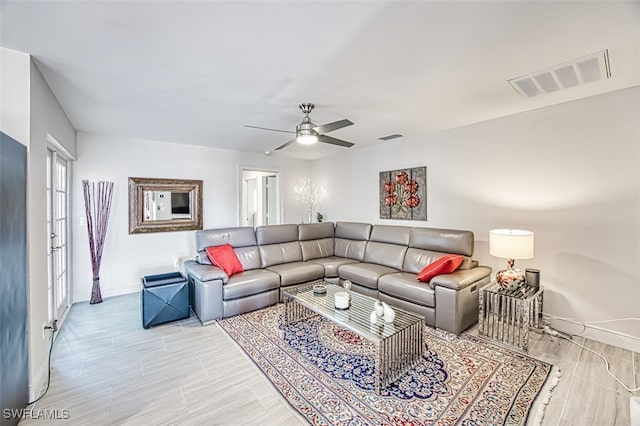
(127, 258)
(31, 114)
(47, 120)
(570, 173)
(14, 94)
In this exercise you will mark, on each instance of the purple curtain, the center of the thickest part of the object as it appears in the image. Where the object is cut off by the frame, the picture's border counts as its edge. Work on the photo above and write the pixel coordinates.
(97, 203)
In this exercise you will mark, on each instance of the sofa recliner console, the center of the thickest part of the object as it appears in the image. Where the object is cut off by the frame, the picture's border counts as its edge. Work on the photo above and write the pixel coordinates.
(381, 261)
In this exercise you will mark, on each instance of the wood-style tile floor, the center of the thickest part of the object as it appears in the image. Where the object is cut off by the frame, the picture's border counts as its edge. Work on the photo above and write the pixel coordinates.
(106, 369)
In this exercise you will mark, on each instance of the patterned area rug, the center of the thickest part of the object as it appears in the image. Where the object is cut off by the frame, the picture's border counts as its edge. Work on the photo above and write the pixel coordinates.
(326, 373)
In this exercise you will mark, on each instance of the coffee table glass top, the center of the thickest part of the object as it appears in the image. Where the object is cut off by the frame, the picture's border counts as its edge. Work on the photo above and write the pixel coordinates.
(355, 318)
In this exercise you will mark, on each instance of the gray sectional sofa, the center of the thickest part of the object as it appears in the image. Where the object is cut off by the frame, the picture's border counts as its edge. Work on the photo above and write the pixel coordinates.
(381, 261)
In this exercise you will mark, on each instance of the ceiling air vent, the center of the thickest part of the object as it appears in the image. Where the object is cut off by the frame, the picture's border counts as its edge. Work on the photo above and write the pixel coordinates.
(573, 73)
(389, 137)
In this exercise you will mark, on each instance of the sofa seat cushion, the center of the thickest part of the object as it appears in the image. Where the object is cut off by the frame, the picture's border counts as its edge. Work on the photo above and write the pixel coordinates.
(404, 285)
(248, 283)
(365, 274)
(331, 263)
(297, 272)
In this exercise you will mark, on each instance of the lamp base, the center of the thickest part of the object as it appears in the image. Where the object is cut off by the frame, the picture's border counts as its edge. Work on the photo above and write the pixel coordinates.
(510, 279)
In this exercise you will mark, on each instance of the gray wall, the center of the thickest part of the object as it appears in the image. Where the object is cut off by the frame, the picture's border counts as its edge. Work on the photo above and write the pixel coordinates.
(14, 356)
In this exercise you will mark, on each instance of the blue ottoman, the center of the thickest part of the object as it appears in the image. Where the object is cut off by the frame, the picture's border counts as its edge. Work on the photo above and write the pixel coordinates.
(165, 298)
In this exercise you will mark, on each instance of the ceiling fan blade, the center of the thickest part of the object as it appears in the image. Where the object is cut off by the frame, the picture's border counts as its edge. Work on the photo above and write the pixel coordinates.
(330, 127)
(334, 141)
(286, 144)
(266, 128)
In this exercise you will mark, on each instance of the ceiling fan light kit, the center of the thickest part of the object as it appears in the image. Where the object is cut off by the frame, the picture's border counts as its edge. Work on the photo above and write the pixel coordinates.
(307, 139)
(304, 131)
(308, 133)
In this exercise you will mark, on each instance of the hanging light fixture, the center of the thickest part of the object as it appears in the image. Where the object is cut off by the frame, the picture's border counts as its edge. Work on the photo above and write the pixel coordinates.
(305, 134)
(306, 138)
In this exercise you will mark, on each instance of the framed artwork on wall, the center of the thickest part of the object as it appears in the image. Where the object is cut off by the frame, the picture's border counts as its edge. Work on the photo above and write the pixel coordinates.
(403, 194)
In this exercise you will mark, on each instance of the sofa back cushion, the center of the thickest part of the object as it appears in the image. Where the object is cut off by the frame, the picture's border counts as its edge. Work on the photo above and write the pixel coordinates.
(399, 235)
(314, 249)
(236, 237)
(391, 255)
(273, 234)
(275, 254)
(387, 245)
(442, 240)
(278, 244)
(351, 239)
(353, 231)
(315, 231)
(416, 259)
(242, 239)
(316, 240)
(249, 257)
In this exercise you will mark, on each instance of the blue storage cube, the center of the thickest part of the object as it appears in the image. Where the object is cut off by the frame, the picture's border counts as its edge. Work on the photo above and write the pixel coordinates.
(165, 298)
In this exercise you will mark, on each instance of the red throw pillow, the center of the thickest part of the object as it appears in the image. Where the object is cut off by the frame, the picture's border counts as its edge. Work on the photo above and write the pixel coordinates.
(445, 265)
(225, 258)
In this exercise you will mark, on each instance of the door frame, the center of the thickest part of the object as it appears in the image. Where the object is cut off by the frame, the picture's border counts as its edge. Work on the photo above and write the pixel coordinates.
(241, 191)
(58, 150)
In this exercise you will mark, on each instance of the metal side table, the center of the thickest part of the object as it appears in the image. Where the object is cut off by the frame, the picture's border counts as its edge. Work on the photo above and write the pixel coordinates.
(507, 316)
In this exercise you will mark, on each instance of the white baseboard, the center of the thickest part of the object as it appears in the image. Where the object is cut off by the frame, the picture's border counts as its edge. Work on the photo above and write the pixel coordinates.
(611, 337)
(112, 291)
(121, 289)
(39, 382)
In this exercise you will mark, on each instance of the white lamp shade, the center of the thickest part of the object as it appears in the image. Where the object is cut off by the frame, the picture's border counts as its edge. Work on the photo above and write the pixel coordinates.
(511, 243)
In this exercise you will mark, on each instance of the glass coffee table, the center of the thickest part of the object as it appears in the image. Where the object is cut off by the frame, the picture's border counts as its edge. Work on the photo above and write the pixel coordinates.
(399, 344)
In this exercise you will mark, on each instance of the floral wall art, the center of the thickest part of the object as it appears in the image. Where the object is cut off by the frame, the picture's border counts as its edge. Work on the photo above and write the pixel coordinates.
(403, 194)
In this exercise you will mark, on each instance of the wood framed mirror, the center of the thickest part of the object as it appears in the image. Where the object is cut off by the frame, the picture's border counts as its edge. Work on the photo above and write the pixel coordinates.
(164, 205)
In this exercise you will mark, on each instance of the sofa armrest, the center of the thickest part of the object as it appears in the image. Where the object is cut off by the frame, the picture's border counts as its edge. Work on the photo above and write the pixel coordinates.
(460, 279)
(204, 273)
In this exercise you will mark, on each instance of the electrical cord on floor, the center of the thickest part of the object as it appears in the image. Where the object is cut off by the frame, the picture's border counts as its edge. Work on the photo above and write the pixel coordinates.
(46, 389)
(555, 333)
(584, 324)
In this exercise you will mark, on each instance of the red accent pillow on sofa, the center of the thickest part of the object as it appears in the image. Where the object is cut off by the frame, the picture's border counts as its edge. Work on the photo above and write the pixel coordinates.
(445, 265)
(224, 258)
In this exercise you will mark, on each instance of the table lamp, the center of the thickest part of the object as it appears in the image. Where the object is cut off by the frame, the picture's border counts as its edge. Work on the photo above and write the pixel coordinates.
(511, 244)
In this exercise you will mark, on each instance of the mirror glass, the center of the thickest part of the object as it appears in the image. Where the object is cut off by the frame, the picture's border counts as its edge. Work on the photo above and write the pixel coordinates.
(166, 205)
(162, 205)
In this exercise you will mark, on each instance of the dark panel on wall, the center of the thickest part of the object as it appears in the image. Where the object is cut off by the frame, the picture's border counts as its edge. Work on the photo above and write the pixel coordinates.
(14, 355)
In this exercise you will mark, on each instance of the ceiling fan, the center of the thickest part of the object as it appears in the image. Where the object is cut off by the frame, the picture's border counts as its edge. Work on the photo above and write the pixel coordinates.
(308, 133)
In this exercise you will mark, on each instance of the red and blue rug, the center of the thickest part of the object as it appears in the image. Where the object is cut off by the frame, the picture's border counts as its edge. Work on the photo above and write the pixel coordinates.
(327, 374)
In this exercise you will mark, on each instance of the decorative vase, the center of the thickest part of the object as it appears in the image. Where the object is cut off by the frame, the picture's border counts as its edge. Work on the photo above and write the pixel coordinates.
(347, 285)
(378, 308)
(389, 314)
(510, 279)
(373, 318)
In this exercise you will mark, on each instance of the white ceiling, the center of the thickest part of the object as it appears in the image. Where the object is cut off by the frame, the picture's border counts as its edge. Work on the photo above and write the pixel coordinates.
(196, 72)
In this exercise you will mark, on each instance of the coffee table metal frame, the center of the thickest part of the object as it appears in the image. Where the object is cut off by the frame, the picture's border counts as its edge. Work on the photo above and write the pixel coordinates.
(400, 344)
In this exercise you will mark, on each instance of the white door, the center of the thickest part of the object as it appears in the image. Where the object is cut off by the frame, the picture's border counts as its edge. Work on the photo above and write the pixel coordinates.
(57, 227)
(270, 203)
(250, 201)
(260, 198)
